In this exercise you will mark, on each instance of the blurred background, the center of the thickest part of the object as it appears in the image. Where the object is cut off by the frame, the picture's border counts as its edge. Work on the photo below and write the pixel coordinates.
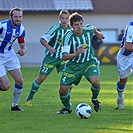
(109, 16)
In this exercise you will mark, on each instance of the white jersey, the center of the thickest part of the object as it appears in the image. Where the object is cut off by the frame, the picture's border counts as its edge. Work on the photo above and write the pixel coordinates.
(125, 57)
(8, 34)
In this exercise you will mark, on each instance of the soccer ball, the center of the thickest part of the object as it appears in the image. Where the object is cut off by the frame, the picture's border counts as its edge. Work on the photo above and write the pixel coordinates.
(83, 111)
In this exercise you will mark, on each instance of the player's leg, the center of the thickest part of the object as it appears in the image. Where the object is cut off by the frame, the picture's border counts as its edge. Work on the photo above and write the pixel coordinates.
(60, 67)
(46, 68)
(4, 83)
(92, 75)
(121, 85)
(34, 88)
(12, 65)
(18, 88)
(69, 77)
(65, 99)
(95, 88)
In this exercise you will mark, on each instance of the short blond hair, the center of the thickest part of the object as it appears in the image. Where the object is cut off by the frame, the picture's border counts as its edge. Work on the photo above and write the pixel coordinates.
(63, 12)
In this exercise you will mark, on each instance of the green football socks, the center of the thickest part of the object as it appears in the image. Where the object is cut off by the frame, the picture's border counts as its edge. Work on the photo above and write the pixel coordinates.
(95, 92)
(66, 101)
(70, 88)
(33, 90)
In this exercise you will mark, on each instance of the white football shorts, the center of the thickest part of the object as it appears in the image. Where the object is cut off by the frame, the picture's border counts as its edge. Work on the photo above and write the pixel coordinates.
(125, 65)
(8, 61)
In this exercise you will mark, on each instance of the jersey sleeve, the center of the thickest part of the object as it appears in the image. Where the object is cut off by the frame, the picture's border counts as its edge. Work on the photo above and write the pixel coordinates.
(65, 49)
(50, 33)
(89, 28)
(22, 35)
(129, 34)
(47, 38)
(1, 28)
(66, 43)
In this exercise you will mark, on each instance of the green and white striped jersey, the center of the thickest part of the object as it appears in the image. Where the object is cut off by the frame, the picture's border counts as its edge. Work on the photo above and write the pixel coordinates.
(71, 42)
(54, 38)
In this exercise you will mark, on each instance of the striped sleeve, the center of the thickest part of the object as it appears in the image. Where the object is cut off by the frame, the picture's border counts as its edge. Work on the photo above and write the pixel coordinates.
(129, 34)
(50, 33)
(1, 28)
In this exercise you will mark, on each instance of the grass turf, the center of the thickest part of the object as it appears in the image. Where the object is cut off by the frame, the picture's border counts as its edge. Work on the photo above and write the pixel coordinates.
(42, 117)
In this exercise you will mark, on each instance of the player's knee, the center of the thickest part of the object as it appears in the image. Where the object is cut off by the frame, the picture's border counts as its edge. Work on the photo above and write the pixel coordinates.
(63, 91)
(95, 83)
(94, 80)
(122, 82)
(120, 86)
(5, 87)
(41, 79)
(19, 81)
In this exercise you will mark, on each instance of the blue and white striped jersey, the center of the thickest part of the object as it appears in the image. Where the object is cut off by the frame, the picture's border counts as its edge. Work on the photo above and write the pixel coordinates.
(8, 35)
(128, 37)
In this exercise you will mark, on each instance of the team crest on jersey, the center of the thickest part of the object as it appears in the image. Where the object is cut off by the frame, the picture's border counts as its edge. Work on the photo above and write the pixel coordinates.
(14, 36)
(85, 46)
(17, 33)
(130, 37)
(60, 41)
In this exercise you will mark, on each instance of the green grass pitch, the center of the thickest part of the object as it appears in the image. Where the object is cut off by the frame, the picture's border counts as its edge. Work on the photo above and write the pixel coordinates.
(42, 117)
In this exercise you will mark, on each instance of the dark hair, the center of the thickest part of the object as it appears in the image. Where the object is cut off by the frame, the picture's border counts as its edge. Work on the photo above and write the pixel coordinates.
(63, 12)
(75, 17)
(15, 8)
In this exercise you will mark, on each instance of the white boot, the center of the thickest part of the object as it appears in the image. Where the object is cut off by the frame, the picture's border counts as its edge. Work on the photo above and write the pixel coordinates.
(120, 100)
(120, 104)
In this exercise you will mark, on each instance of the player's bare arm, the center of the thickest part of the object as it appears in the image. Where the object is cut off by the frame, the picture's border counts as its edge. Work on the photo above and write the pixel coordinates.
(79, 51)
(46, 45)
(98, 33)
(22, 50)
(128, 46)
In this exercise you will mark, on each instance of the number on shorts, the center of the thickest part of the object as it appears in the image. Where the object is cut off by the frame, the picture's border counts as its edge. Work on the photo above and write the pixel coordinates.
(45, 69)
(64, 78)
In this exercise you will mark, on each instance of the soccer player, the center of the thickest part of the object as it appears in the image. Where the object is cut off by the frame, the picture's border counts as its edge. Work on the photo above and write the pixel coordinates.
(77, 49)
(52, 41)
(124, 63)
(11, 30)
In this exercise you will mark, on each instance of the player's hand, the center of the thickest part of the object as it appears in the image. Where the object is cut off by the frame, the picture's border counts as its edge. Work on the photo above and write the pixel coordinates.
(100, 36)
(21, 52)
(80, 50)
